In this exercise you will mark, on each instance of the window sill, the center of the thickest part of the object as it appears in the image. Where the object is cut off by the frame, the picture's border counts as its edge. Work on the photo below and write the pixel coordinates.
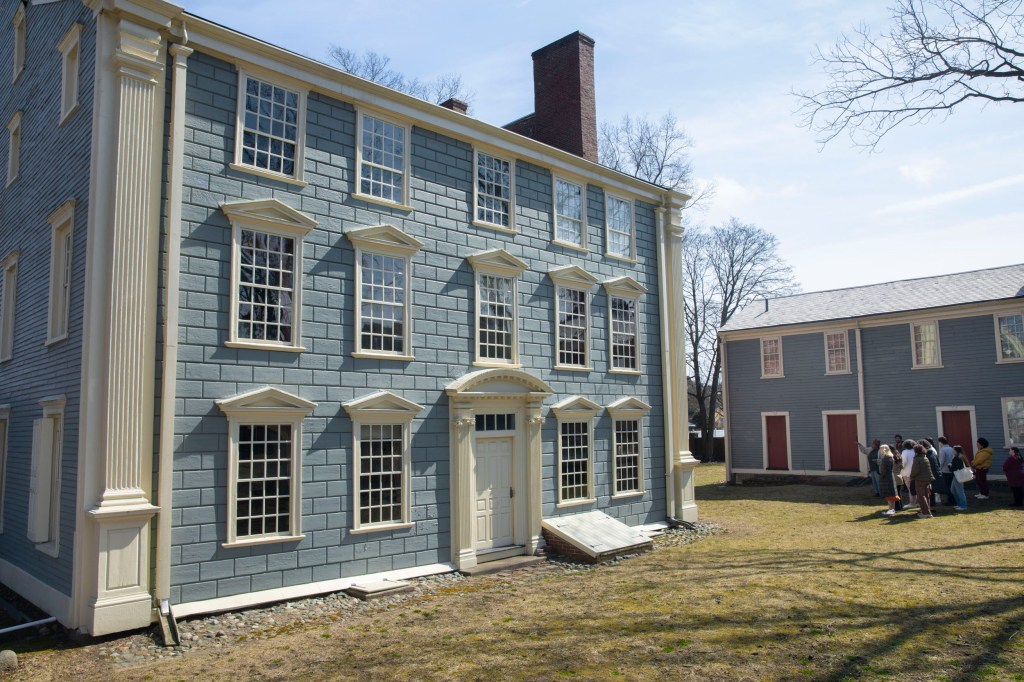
(623, 496)
(253, 345)
(66, 115)
(839, 374)
(573, 368)
(625, 259)
(380, 529)
(773, 376)
(569, 245)
(632, 372)
(48, 548)
(370, 199)
(10, 181)
(575, 503)
(495, 227)
(252, 170)
(1009, 361)
(370, 355)
(263, 541)
(927, 367)
(504, 365)
(54, 341)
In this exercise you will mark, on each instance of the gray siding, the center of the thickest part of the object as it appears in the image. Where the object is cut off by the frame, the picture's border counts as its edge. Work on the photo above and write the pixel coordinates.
(805, 392)
(54, 168)
(442, 341)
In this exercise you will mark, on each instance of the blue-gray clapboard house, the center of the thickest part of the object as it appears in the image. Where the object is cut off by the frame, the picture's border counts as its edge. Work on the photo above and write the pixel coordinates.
(808, 376)
(267, 328)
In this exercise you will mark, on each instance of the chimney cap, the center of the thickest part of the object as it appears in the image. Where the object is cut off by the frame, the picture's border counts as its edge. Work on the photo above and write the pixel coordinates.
(575, 37)
(456, 105)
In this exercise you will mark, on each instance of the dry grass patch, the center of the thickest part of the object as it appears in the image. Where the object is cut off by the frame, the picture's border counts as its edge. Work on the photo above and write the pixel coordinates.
(808, 582)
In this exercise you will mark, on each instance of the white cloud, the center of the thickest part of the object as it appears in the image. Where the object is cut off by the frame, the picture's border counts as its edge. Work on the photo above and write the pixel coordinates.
(953, 196)
(922, 171)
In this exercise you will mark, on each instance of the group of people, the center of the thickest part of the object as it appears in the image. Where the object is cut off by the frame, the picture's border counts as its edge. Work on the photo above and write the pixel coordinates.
(915, 475)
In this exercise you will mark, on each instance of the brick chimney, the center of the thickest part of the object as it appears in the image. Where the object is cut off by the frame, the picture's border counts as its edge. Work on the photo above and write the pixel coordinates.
(456, 105)
(565, 109)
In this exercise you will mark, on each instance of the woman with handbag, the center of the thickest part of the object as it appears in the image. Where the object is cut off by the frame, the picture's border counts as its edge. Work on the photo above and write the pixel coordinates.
(1013, 467)
(886, 480)
(961, 468)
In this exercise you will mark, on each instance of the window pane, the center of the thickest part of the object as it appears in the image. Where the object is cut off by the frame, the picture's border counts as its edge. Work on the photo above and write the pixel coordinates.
(575, 460)
(627, 456)
(381, 450)
(265, 288)
(1011, 337)
(262, 491)
(269, 118)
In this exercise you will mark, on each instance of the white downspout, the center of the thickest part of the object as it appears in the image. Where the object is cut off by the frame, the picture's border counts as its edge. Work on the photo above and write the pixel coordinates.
(666, 364)
(175, 161)
(722, 347)
(863, 422)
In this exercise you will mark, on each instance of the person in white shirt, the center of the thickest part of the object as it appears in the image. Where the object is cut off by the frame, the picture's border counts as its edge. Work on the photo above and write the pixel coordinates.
(908, 462)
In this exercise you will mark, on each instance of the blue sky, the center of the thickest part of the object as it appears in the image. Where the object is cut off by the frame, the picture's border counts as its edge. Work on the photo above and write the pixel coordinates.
(935, 198)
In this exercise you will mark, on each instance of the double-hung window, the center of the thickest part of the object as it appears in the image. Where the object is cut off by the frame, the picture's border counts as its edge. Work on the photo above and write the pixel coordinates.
(572, 316)
(493, 191)
(623, 326)
(619, 222)
(1013, 421)
(837, 353)
(270, 128)
(14, 147)
(627, 445)
(383, 156)
(924, 337)
(497, 307)
(264, 466)
(570, 216)
(1010, 337)
(9, 272)
(62, 222)
(381, 433)
(575, 417)
(771, 357)
(19, 41)
(68, 48)
(45, 476)
(5, 420)
(383, 271)
(266, 267)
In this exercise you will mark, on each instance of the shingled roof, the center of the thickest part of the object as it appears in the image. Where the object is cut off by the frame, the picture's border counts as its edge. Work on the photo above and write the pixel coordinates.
(979, 286)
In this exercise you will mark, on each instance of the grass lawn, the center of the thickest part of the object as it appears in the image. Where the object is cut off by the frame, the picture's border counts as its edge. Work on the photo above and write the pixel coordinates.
(807, 582)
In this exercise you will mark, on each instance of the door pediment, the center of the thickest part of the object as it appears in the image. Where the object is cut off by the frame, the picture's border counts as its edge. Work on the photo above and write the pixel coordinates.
(498, 383)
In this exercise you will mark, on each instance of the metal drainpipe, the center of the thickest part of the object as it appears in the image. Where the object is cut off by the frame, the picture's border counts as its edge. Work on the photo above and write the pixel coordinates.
(666, 363)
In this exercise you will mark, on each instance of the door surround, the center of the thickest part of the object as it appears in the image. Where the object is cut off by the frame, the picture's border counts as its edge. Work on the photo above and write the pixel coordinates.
(490, 391)
(861, 460)
(939, 431)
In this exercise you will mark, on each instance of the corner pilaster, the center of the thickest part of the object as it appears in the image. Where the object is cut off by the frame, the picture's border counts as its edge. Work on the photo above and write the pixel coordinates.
(463, 554)
(534, 502)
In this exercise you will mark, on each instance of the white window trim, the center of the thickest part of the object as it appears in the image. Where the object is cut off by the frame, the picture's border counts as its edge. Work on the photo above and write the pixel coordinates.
(381, 408)
(19, 41)
(70, 64)
(5, 436)
(575, 278)
(782, 368)
(261, 407)
(511, 228)
(300, 129)
(49, 507)
(631, 257)
(1000, 360)
(628, 409)
(270, 216)
(629, 289)
(8, 304)
(576, 409)
(1004, 404)
(385, 240)
(939, 409)
(555, 179)
(406, 160)
(502, 264)
(846, 348)
(62, 222)
(14, 148)
(938, 345)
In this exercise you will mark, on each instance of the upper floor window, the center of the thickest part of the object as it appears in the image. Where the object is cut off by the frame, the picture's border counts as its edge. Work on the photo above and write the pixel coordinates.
(837, 354)
(14, 148)
(575, 416)
(623, 324)
(497, 307)
(925, 340)
(493, 190)
(266, 268)
(45, 476)
(383, 157)
(69, 71)
(570, 228)
(771, 357)
(264, 466)
(1013, 421)
(270, 127)
(1010, 337)
(383, 264)
(9, 269)
(62, 222)
(619, 218)
(19, 41)
(572, 316)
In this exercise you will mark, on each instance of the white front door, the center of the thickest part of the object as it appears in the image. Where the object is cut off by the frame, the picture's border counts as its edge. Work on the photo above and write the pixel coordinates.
(493, 492)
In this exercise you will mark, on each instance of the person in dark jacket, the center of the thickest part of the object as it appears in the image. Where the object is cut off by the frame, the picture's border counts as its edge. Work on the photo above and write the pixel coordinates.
(886, 479)
(1013, 467)
(872, 456)
(922, 476)
(933, 461)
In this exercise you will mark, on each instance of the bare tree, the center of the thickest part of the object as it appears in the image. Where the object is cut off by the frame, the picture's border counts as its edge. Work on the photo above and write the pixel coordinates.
(726, 267)
(376, 67)
(937, 55)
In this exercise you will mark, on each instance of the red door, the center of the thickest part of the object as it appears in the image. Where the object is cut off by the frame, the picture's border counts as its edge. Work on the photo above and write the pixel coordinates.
(956, 426)
(778, 444)
(843, 454)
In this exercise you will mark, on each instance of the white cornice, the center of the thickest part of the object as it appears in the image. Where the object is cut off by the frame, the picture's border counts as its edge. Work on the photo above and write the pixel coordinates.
(382, 403)
(625, 287)
(267, 400)
(384, 238)
(268, 213)
(497, 260)
(572, 276)
(628, 406)
(575, 406)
